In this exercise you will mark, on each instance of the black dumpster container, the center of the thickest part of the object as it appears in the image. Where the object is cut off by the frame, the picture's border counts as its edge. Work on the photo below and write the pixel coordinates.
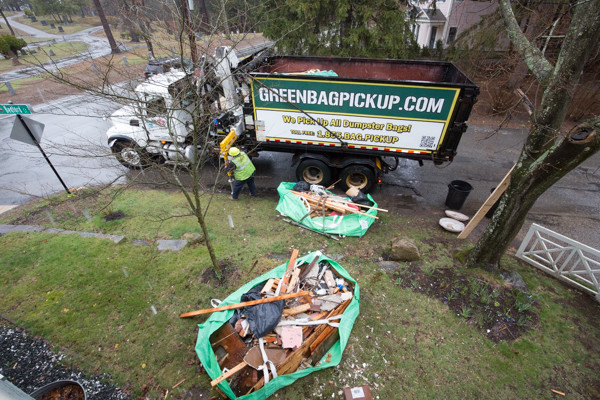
(457, 193)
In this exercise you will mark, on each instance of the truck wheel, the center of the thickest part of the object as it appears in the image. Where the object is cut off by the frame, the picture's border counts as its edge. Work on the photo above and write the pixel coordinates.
(358, 176)
(130, 155)
(314, 172)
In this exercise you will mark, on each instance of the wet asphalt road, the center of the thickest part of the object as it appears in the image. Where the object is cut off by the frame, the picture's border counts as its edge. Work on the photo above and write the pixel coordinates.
(571, 207)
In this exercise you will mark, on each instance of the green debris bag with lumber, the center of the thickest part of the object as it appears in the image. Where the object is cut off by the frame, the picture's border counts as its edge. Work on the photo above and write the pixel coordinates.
(327, 323)
(303, 212)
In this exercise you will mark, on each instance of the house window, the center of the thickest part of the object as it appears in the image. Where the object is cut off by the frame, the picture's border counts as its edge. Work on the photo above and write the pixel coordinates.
(432, 37)
(451, 35)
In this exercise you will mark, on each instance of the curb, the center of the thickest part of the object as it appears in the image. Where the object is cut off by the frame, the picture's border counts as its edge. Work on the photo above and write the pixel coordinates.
(162, 245)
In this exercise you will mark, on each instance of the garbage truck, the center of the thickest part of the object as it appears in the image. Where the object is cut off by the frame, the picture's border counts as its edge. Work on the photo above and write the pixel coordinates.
(344, 120)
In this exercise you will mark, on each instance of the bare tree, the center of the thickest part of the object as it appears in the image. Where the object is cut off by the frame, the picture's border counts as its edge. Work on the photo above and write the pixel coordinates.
(136, 15)
(549, 153)
(111, 40)
(7, 24)
(187, 155)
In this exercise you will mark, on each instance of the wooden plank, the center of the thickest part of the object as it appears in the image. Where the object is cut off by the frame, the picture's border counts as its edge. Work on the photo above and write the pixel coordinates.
(288, 272)
(268, 286)
(245, 304)
(329, 203)
(296, 310)
(486, 206)
(228, 374)
(330, 281)
(306, 269)
(318, 350)
(294, 280)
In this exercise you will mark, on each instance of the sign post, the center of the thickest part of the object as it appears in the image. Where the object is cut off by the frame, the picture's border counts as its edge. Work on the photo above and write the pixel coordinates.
(22, 132)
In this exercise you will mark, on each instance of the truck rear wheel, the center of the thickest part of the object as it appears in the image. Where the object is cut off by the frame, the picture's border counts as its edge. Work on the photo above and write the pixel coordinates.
(358, 176)
(130, 155)
(314, 172)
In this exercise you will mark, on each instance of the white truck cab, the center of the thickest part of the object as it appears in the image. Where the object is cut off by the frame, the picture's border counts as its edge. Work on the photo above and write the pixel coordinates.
(158, 118)
(157, 125)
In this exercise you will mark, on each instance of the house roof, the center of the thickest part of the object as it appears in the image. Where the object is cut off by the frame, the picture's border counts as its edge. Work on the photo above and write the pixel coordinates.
(431, 15)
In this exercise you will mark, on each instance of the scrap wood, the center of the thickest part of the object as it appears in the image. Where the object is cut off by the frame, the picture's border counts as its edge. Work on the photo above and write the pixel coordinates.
(288, 272)
(245, 304)
(487, 205)
(294, 360)
(330, 281)
(268, 286)
(228, 374)
(557, 392)
(296, 310)
(318, 351)
(342, 207)
(310, 266)
(294, 280)
(178, 383)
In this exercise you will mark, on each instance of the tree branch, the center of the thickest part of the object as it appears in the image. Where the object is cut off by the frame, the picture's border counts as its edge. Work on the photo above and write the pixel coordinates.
(535, 60)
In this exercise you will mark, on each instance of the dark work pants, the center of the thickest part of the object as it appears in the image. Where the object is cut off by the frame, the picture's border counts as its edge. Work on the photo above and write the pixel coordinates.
(238, 185)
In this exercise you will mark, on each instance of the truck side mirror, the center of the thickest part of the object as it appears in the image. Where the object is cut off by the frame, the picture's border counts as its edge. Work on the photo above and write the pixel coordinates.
(134, 122)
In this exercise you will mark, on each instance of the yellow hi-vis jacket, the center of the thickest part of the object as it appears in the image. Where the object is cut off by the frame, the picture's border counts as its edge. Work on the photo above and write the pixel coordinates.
(243, 167)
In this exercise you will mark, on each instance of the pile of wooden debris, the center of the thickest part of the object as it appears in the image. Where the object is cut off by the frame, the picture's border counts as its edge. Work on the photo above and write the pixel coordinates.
(294, 333)
(323, 203)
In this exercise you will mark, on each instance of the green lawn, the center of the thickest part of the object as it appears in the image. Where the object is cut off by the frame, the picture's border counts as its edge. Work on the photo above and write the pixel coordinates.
(95, 297)
(43, 54)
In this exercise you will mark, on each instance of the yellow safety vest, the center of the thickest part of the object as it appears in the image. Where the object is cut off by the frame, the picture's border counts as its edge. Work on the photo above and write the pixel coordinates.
(243, 167)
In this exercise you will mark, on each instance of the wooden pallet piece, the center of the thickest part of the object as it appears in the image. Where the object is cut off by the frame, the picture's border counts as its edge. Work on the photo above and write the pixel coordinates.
(245, 304)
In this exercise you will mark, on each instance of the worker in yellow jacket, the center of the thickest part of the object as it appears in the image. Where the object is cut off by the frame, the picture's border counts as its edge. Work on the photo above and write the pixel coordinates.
(243, 172)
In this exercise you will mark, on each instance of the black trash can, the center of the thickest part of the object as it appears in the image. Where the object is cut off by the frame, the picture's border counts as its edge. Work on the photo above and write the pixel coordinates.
(457, 194)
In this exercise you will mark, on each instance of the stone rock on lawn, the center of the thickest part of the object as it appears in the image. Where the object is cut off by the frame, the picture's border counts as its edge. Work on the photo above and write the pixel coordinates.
(388, 265)
(404, 249)
(514, 279)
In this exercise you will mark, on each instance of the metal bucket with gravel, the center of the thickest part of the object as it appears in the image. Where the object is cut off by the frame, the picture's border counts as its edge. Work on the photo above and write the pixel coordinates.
(61, 390)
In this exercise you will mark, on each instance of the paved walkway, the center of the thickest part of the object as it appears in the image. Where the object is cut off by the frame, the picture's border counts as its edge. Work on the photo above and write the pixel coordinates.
(162, 245)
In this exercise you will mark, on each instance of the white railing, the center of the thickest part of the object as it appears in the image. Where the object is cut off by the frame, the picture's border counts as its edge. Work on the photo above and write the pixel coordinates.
(562, 257)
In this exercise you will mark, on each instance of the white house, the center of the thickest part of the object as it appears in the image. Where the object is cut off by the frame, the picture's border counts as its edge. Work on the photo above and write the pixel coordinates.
(448, 20)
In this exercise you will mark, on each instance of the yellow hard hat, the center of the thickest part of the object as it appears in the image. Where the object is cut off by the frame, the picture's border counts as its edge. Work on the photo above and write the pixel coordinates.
(234, 151)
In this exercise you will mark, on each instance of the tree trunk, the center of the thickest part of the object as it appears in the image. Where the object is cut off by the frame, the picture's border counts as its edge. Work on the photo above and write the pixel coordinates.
(548, 154)
(150, 47)
(13, 58)
(190, 32)
(205, 19)
(7, 24)
(211, 251)
(528, 182)
(111, 40)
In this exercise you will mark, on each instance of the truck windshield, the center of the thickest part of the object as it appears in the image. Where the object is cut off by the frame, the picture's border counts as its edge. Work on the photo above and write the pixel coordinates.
(155, 106)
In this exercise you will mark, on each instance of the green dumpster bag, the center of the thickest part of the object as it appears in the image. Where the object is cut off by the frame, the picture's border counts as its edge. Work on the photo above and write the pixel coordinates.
(205, 330)
(345, 225)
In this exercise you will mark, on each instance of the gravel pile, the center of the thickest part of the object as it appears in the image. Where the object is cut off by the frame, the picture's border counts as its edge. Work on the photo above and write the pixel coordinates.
(30, 363)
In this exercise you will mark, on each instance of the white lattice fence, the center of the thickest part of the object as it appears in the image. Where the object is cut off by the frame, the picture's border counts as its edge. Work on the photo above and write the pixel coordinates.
(562, 257)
